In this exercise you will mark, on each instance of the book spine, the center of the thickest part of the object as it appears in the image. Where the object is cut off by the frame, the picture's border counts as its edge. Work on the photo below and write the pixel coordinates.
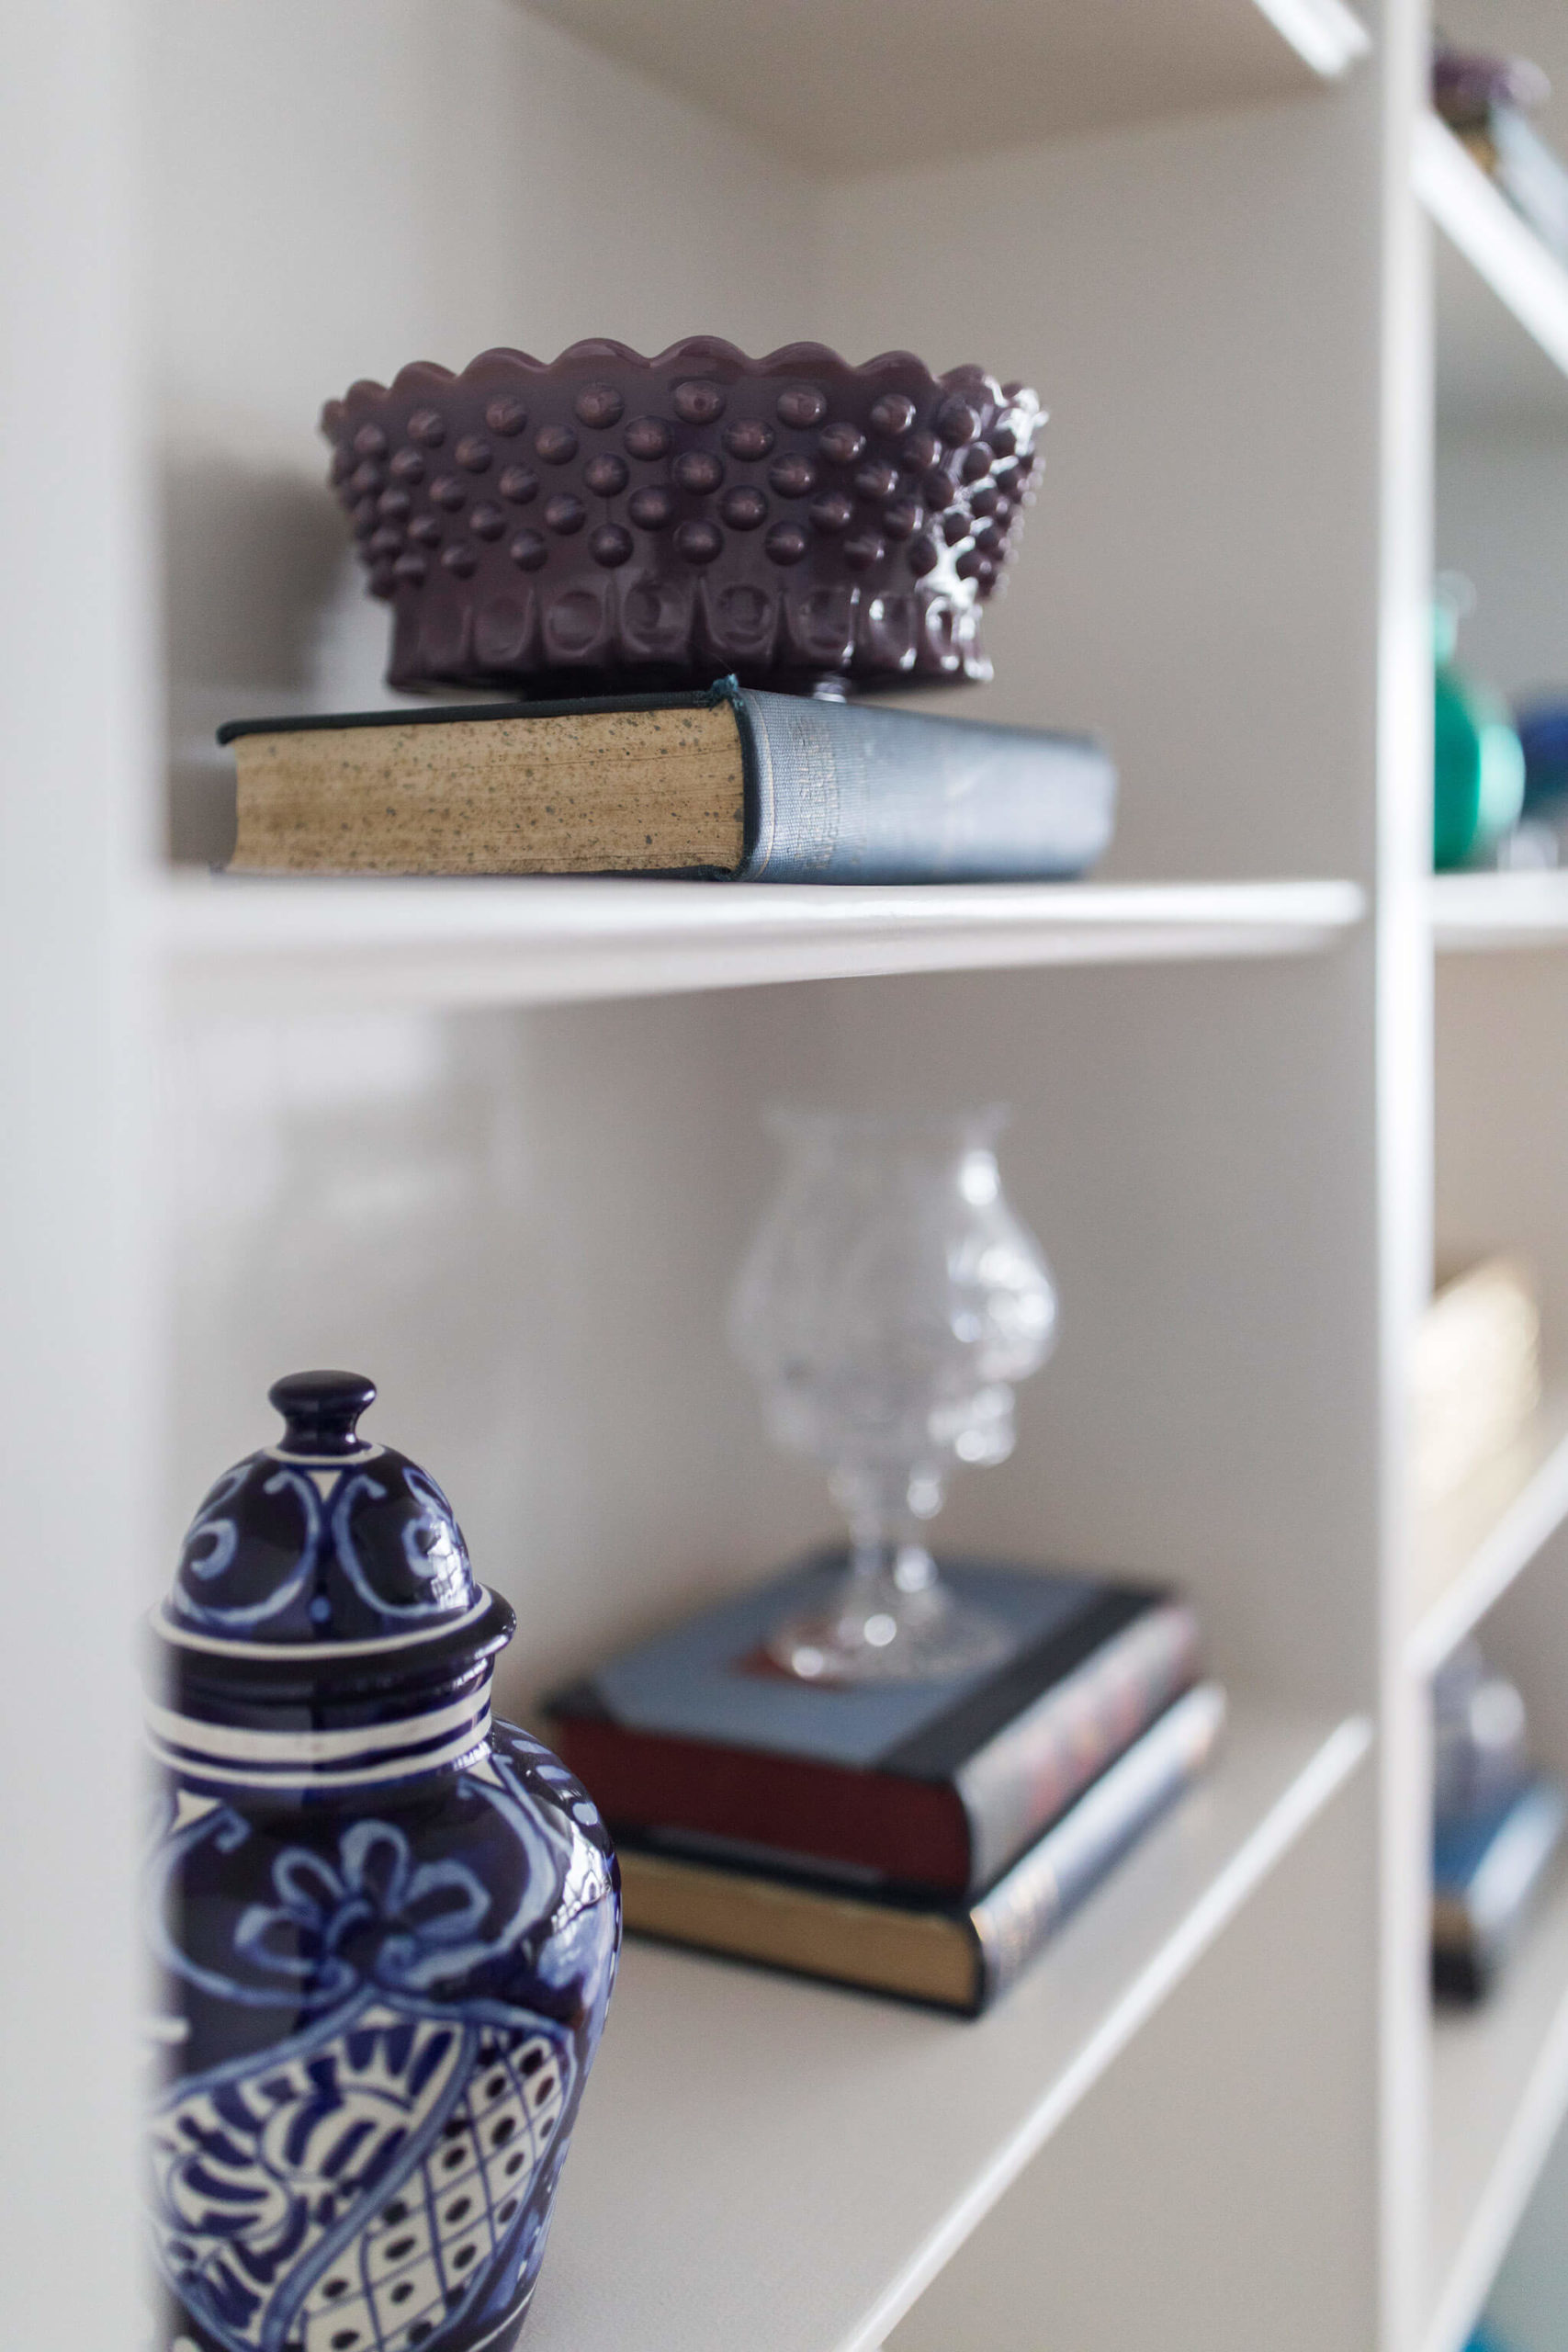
(843, 792)
(1021, 1913)
(912, 1832)
(1477, 1915)
(1032, 1770)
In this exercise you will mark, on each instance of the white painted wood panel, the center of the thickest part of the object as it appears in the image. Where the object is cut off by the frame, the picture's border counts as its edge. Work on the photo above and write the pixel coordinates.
(403, 179)
(1469, 1547)
(233, 946)
(1502, 296)
(1473, 912)
(523, 1220)
(1194, 2189)
(1211, 462)
(851, 88)
(783, 2165)
(1527, 2303)
(1500, 2074)
(525, 1226)
(1500, 2092)
(1502, 1117)
(78, 1383)
(1502, 516)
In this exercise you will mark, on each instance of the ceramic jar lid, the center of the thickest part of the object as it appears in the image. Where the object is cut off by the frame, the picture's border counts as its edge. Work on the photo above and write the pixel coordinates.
(324, 1582)
(325, 1536)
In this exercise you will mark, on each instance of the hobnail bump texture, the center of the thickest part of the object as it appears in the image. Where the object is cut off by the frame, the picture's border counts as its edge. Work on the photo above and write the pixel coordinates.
(605, 522)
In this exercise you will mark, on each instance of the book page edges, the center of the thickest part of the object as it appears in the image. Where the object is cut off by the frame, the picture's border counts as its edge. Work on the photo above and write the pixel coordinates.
(925, 1954)
(590, 792)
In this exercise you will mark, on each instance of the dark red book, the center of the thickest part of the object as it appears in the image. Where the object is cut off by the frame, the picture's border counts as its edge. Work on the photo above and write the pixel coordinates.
(685, 1744)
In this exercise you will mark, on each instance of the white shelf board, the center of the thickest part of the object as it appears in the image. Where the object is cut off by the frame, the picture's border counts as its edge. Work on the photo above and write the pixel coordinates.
(782, 2166)
(1499, 2095)
(851, 88)
(1469, 1547)
(294, 945)
(1502, 297)
(1471, 912)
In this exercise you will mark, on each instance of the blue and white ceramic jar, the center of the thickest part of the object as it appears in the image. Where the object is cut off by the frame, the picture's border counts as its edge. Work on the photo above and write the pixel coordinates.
(385, 1929)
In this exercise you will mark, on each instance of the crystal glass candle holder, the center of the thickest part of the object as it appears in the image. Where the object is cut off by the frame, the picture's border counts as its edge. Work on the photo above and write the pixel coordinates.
(887, 1307)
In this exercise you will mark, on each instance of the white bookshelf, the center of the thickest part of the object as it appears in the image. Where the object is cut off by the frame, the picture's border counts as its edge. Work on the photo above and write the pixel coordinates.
(233, 946)
(1487, 1561)
(503, 1143)
(807, 2088)
(1499, 2095)
(1474, 912)
(1471, 1546)
(799, 80)
(1503, 321)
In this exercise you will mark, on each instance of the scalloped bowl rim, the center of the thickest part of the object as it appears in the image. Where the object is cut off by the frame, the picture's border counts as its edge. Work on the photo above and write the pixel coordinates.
(808, 361)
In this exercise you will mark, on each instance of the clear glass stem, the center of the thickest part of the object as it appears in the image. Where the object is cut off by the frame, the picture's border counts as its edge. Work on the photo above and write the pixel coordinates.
(890, 1617)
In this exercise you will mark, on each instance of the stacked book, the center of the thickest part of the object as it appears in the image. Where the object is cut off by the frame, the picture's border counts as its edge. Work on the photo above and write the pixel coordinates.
(915, 1838)
(1487, 102)
(721, 783)
(1476, 1372)
(1497, 1826)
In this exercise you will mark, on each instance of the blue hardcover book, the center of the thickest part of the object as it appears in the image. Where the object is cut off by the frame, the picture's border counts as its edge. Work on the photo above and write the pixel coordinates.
(727, 784)
(1487, 1867)
(694, 1741)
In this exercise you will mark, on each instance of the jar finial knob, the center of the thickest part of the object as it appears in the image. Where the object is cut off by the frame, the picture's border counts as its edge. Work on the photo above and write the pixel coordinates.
(320, 1410)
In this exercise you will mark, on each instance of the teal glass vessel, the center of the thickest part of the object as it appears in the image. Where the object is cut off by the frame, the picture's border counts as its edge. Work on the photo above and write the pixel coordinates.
(1478, 765)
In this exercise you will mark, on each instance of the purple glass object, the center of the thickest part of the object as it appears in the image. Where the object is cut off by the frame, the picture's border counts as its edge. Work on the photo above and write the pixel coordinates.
(1467, 83)
(792, 520)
